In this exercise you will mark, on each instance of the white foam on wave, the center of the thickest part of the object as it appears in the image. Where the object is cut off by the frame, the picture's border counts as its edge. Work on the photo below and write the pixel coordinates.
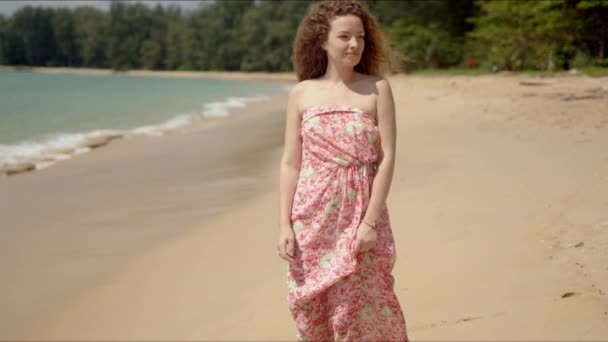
(47, 151)
(222, 109)
(50, 150)
(169, 125)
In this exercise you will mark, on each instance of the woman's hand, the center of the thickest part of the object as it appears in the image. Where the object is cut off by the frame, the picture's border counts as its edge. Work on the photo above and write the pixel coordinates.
(286, 244)
(366, 238)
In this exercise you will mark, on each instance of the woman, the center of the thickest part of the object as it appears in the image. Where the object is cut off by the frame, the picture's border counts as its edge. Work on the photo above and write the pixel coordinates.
(335, 175)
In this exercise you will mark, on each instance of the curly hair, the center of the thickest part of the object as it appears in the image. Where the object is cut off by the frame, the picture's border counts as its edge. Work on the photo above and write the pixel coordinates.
(309, 58)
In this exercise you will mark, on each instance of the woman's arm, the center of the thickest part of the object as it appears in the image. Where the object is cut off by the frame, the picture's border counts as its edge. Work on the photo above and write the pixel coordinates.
(385, 109)
(289, 174)
(292, 158)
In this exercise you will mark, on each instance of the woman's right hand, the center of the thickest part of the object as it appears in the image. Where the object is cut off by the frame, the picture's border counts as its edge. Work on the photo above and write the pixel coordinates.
(286, 244)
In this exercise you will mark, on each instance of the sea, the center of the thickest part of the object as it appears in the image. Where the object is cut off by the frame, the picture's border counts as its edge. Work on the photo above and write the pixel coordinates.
(46, 118)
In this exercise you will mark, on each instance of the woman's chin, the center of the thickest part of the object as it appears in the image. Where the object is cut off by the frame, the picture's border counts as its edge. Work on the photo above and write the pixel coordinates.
(351, 61)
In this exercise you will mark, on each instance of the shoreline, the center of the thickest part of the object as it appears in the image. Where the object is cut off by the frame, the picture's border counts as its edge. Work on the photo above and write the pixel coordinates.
(283, 77)
(287, 77)
(93, 140)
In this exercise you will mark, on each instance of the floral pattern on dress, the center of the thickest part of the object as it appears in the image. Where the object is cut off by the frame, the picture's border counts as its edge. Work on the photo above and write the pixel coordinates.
(334, 293)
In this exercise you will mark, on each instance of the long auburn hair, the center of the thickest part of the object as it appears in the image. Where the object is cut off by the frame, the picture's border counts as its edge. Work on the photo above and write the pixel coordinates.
(309, 58)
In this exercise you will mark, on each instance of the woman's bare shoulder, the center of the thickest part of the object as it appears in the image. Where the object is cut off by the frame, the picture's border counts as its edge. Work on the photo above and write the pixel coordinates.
(302, 87)
(310, 84)
(298, 90)
(372, 80)
(370, 83)
(306, 91)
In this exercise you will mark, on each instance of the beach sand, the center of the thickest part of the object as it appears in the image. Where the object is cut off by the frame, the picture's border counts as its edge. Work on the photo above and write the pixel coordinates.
(499, 206)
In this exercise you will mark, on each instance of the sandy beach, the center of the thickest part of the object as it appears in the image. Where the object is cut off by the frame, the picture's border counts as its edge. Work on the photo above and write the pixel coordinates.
(499, 206)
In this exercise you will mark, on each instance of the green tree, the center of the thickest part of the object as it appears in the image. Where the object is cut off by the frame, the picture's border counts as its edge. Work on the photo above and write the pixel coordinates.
(121, 49)
(425, 46)
(446, 15)
(66, 38)
(592, 16)
(3, 40)
(268, 30)
(425, 33)
(92, 30)
(129, 28)
(153, 50)
(194, 41)
(31, 36)
(521, 34)
(174, 38)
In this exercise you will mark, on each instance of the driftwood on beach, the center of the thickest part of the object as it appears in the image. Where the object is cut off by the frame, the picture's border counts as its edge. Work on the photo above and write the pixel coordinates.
(17, 168)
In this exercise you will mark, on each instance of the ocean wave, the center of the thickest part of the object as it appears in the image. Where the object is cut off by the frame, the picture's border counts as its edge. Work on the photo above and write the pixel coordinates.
(222, 109)
(167, 126)
(38, 154)
(56, 148)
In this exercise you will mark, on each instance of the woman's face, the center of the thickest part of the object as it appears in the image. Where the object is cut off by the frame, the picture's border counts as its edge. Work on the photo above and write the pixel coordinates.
(345, 40)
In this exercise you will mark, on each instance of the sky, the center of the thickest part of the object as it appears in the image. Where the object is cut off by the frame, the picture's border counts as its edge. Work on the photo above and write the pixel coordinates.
(7, 8)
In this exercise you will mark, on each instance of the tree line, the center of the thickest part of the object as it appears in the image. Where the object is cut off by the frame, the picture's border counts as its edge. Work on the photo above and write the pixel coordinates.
(256, 35)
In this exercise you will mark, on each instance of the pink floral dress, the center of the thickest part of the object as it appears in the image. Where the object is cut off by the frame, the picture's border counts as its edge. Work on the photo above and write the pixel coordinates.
(334, 293)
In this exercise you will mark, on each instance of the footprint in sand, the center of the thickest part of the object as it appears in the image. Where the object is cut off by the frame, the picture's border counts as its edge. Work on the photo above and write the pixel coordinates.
(457, 321)
(568, 294)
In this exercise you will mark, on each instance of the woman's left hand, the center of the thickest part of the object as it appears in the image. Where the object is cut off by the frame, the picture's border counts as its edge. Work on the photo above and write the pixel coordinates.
(366, 238)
